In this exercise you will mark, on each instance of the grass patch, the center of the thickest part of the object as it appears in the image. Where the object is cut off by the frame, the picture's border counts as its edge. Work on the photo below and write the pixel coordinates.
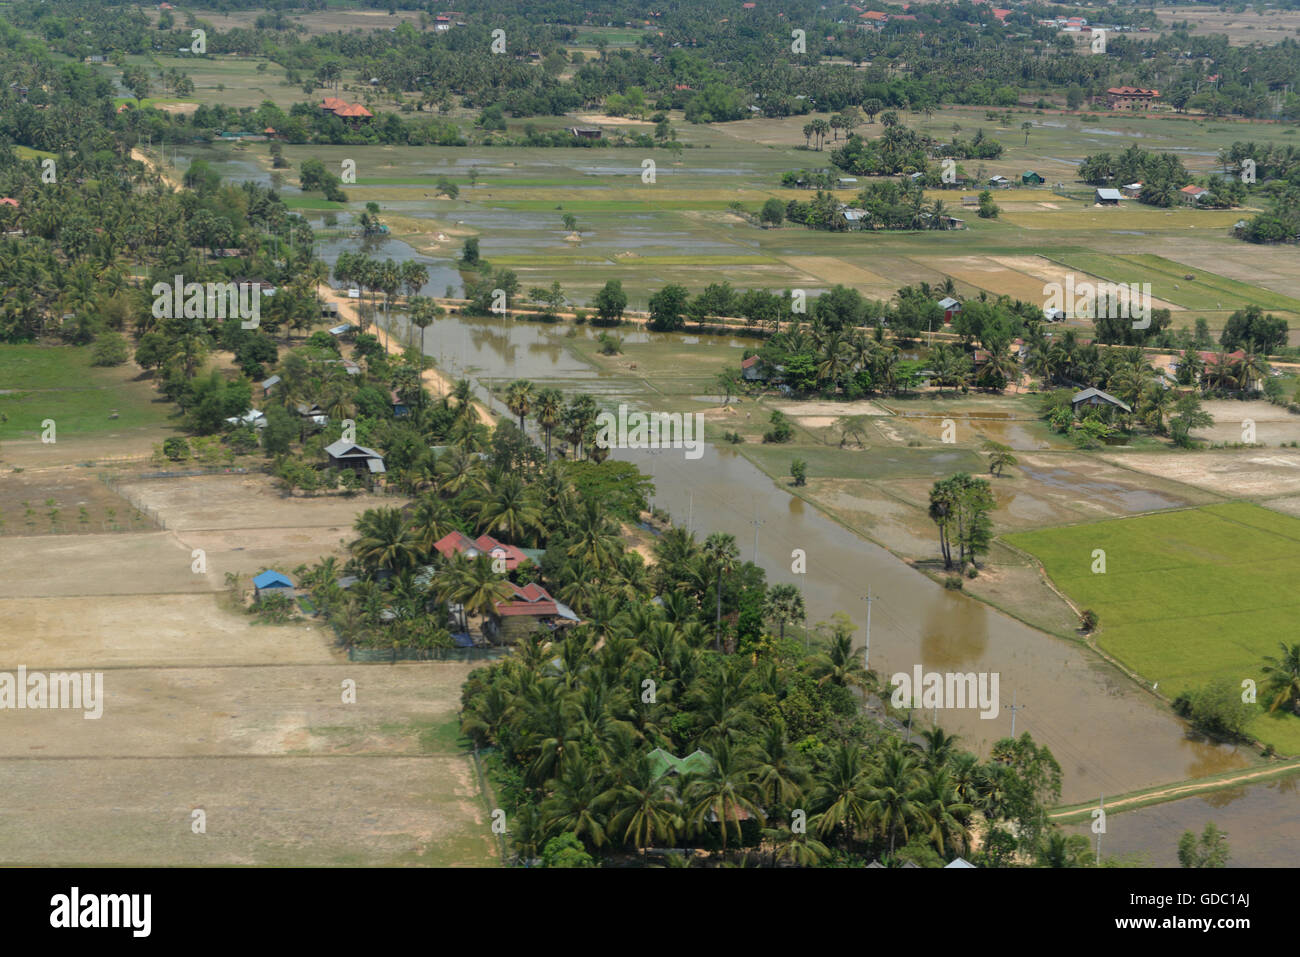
(59, 383)
(1186, 596)
(1206, 291)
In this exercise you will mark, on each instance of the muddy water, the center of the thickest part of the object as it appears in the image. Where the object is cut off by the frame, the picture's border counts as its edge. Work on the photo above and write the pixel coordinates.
(1262, 822)
(1108, 736)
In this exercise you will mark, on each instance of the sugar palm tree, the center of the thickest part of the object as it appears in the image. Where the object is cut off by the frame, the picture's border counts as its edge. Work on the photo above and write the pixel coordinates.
(783, 603)
(548, 408)
(519, 399)
(721, 554)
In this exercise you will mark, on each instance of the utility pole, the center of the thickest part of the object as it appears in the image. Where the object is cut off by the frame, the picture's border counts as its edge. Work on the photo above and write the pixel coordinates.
(866, 653)
(1013, 709)
(1101, 801)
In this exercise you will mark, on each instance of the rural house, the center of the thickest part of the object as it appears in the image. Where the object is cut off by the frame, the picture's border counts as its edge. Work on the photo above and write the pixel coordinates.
(1130, 98)
(526, 610)
(586, 132)
(344, 454)
(1107, 197)
(457, 543)
(1192, 195)
(272, 583)
(950, 307)
(1030, 178)
(1095, 397)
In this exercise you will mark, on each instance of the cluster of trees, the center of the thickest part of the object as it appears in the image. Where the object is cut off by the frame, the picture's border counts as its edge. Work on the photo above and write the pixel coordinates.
(959, 508)
(389, 277)
(1162, 175)
(1128, 375)
(897, 150)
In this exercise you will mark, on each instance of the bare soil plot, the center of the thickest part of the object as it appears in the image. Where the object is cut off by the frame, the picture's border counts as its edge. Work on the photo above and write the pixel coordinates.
(1051, 272)
(316, 811)
(1234, 473)
(833, 409)
(111, 631)
(833, 270)
(245, 501)
(72, 490)
(405, 709)
(135, 564)
(1274, 425)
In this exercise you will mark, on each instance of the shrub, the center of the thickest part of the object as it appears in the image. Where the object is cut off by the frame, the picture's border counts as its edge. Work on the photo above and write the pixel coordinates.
(110, 349)
(952, 582)
(176, 449)
(1088, 620)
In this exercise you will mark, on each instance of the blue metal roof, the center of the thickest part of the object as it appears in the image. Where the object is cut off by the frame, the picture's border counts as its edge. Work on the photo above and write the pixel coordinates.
(272, 579)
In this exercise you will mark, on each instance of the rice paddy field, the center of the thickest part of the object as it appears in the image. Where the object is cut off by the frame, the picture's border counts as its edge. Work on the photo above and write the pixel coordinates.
(685, 226)
(1186, 596)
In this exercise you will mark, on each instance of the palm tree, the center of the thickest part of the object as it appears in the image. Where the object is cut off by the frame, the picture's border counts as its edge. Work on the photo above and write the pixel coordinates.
(1284, 677)
(511, 509)
(943, 814)
(841, 794)
(840, 666)
(575, 806)
(724, 792)
(892, 793)
(999, 456)
(721, 554)
(644, 811)
(519, 399)
(386, 542)
(547, 409)
(783, 603)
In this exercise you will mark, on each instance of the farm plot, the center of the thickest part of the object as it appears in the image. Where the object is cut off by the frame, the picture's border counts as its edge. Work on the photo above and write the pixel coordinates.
(1186, 596)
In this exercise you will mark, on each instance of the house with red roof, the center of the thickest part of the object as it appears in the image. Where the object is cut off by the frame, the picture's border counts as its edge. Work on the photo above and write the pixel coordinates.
(1193, 194)
(9, 201)
(1130, 98)
(524, 610)
(457, 543)
(1001, 14)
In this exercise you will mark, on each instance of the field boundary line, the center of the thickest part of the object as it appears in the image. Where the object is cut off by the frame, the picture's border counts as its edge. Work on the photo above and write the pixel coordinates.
(1164, 793)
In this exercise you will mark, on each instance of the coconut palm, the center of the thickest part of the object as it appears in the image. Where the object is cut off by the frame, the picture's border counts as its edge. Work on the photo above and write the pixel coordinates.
(839, 666)
(892, 794)
(841, 794)
(725, 793)
(509, 508)
(643, 811)
(1283, 675)
(386, 541)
